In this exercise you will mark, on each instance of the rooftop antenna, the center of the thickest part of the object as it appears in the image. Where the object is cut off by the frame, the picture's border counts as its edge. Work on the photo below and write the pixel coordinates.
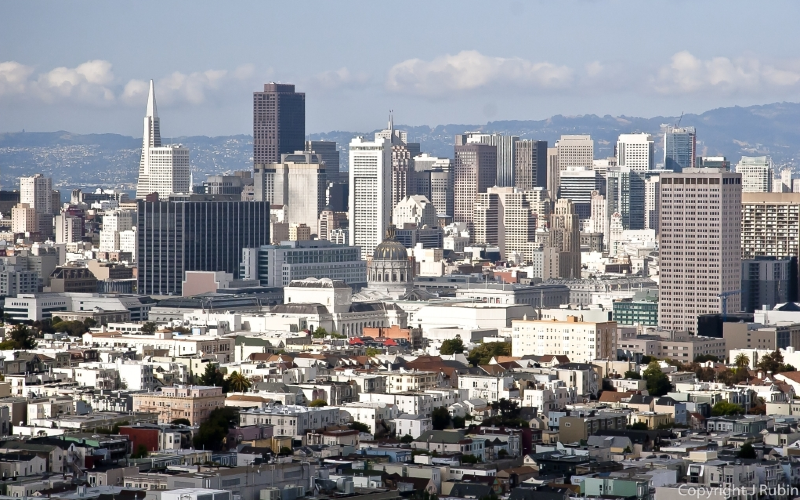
(679, 120)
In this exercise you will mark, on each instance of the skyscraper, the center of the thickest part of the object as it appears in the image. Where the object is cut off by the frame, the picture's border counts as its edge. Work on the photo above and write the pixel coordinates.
(577, 184)
(562, 254)
(175, 237)
(37, 192)
(506, 147)
(162, 169)
(434, 180)
(680, 146)
(756, 174)
(507, 217)
(700, 224)
(370, 192)
(298, 182)
(279, 122)
(330, 155)
(570, 151)
(474, 171)
(530, 164)
(636, 151)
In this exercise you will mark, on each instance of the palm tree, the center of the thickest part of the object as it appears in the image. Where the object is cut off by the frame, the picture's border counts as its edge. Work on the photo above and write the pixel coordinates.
(238, 382)
(742, 360)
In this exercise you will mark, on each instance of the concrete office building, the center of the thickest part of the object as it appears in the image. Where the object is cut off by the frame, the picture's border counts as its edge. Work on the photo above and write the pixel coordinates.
(530, 164)
(768, 281)
(636, 151)
(474, 172)
(652, 183)
(174, 237)
(625, 195)
(227, 184)
(712, 162)
(680, 147)
(297, 182)
(434, 180)
(279, 265)
(506, 146)
(700, 245)
(416, 211)
(115, 222)
(330, 156)
(507, 217)
(771, 226)
(163, 170)
(69, 229)
(24, 219)
(756, 174)
(562, 254)
(370, 192)
(570, 151)
(577, 184)
(279, 122)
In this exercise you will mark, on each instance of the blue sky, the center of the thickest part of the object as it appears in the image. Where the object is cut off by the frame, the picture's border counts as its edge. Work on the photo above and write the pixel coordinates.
(82, 66)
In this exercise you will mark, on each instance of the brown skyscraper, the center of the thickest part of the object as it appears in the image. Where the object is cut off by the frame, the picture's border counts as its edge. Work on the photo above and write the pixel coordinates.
(474, 171)
(279, 122)
(562, 255)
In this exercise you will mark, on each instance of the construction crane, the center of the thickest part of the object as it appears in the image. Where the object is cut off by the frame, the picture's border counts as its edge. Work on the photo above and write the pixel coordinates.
(679, 120)
(724, 297)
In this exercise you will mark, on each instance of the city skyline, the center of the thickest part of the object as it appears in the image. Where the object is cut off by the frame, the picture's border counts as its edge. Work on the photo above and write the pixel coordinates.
(466, 77)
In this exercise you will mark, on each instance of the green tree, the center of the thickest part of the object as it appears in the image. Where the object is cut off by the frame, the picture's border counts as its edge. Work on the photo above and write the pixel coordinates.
(20, 337)
(319, 333)
(484, 353)
(638, 426)
(238, 382)
(318, 403)
(141, 452)
(181, 421)
(469, 459)
(747, 451)
(440, 418)
(285, 450)
(459, 422)
(360, 427)
(632, 374)
(407, 439)
(213, 377)
(452, 346)
(771, 362)
(502, 454)
(646, 360)
(705, 357)
(213, 432)
(742, 360)
(373, 351)
(657, 381)
(149, 328)
(724, 408)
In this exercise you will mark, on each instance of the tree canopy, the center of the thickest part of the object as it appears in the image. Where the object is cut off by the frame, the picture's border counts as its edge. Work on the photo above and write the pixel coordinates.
(238, 382)
(213, 377)
(440, 418)
(149, 328)
(747, 451)
(724, 408)
(484, 353)
(19, 337)
(318, 403)
(212, 432)
(360, 427)
(657, 381)
(452, 346)
(633, 375)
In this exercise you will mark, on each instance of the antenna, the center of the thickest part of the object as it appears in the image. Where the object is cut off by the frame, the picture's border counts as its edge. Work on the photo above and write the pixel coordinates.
(679, 120)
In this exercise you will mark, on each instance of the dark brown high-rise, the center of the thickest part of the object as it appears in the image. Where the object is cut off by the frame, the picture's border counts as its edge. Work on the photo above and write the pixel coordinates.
(279, 122)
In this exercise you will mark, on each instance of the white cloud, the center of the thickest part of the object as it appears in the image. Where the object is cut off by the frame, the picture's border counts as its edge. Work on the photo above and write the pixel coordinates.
(13, 77)
(689, 74)
(471, 70)
(337, 79)
(87, 82)
(192, 88)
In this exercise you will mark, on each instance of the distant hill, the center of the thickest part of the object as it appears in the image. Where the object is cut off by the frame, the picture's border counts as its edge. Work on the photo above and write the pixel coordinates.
(112, 160)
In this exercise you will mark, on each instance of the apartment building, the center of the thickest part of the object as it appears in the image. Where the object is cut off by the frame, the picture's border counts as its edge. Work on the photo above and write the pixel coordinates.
(193, 402)
(573, 429)
(290, 420)
(413, 380)
(487, 387)
(582, 341)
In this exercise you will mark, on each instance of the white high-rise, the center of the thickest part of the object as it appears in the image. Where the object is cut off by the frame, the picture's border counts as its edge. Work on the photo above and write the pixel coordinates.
(370, 192)
(700, 224)
(297, 182)
(570, 151)
(162, 169)
(114, 223)
(636, 151)
(756, 174)
(37, 193)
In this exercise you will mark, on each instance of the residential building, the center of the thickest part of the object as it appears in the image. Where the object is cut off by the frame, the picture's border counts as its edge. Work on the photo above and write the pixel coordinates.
(756, 172)
(298, 182)
(412, 425)
(37, 192)
(299, 232)
(279, 122)
(162, 169)
(573, 429)
(582, 341)
(488, 387)
(291, 420)
(330, 221)
(174, 237)
(370, 201)
(680, 147)
(279, 265)
(68, 229)
(193, 403)
(24, 219)
(700, 245)
(474, 171)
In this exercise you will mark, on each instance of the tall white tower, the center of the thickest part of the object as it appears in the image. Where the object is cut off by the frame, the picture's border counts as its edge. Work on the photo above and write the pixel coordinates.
(163, 170)
(370, 192)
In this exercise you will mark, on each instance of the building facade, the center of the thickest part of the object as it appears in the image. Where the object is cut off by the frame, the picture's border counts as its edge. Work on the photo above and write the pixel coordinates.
(581, 341)
(474, 172)
(279, 122)
(370, 192)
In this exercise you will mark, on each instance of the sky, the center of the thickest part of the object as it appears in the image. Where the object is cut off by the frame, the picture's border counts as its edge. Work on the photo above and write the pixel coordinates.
(84, 66)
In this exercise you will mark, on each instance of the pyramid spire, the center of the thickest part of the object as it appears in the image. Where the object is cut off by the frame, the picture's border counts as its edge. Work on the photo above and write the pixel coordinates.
(151, 102)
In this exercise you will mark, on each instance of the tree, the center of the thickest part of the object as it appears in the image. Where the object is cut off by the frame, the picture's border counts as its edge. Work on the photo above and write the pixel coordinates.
(705, 357)
(638, 426)
(181, 421)
(440, 418)
(657, 381)
(771, 362)
(747, 451)
(212, 433)
(724, 408)
(484, 353)
(459, 422)
(633, 375)
(407, 439)
(469, 459)
(213, 377)
(318, 403)
(141, 452)
(360, 427)
(502, 454)
(149, 328)
(646, 360)
(373, 351)
(20, 337)
(452, 346)
(319, 333)
(238, 382)
(742, 360)
(285, 450)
